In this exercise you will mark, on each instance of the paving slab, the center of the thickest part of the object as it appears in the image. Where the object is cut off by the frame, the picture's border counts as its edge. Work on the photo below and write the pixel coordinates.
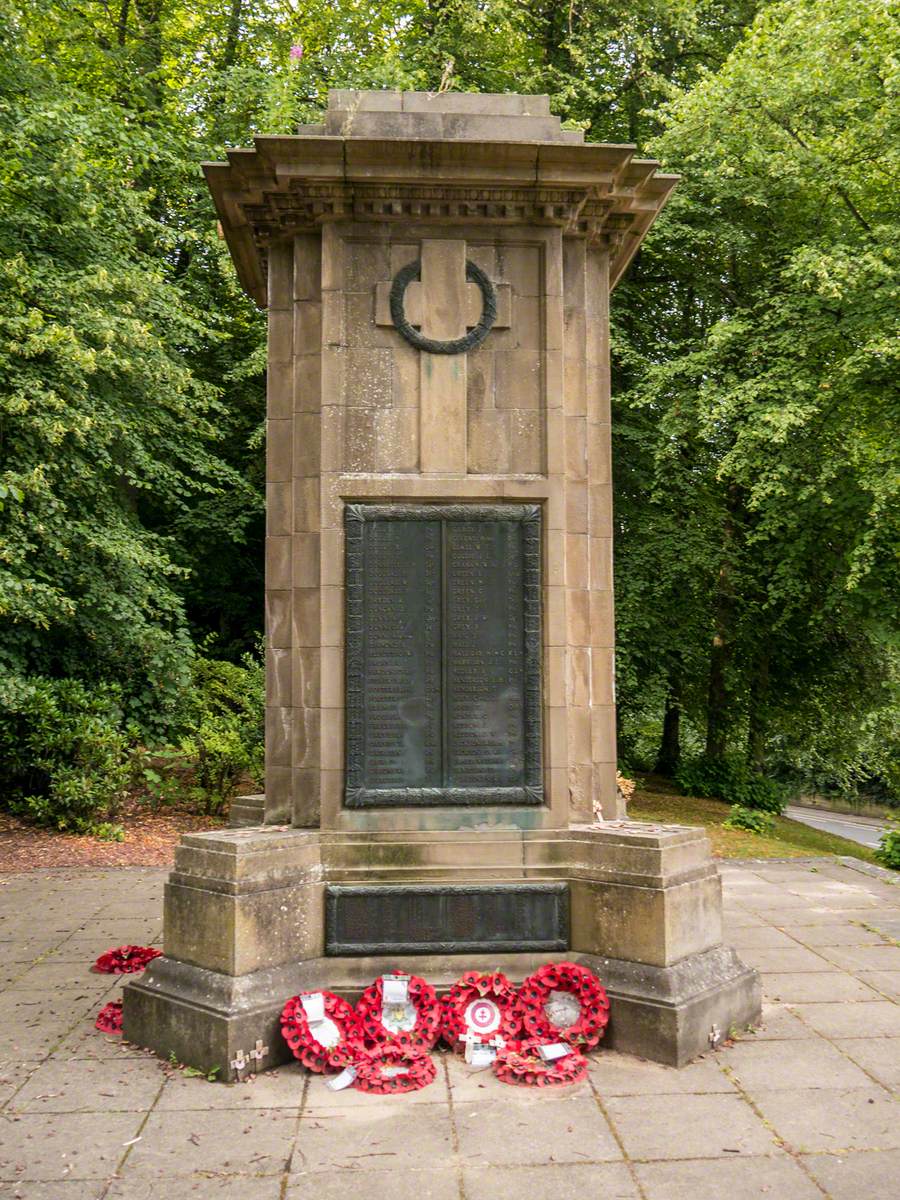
(816, 987)
(864, 958)
(856, 1176)
(737, 1178)
(777, 1023)
(84, 1040)
(810, 1064)
(623, 1075)
(26, 950)
(844, 934)
(208, 1186)
(422, 1184)
(760, 937)
(798, 958)
(819, 1070)
(375, 1137)
(284, 1088)
(12, 1076)
(59, 1189)
(653, 1127)
(887, 983)
(66, 975)
(878, 1018)
(88, 1085)
(570, 1129)
(82, 952)
(131, 932)
(807, 913)
(32, 1023)
(611, 1181)
(830, 1120)
(879, 1056)
(175, 1143)
(57, 1146)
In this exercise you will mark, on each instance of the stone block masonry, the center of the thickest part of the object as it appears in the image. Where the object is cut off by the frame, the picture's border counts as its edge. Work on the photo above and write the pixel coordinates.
(440, 709)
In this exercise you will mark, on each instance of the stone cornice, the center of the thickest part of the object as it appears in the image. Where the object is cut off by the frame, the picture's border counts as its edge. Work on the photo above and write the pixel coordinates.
(293, 184)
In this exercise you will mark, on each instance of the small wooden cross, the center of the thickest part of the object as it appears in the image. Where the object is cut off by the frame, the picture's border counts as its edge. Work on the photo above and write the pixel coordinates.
(259, 1052)
(239, 1063)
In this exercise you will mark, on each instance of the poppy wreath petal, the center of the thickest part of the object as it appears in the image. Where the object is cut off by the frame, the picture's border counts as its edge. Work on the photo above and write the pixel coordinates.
(125, 960)
(315, 1056)
(525, 1067)
(424, 1000)
(579, 982)
(109, 1018)
(374, 1072)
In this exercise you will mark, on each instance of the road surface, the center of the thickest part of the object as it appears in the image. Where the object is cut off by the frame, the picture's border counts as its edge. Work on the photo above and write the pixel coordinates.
(864, 830)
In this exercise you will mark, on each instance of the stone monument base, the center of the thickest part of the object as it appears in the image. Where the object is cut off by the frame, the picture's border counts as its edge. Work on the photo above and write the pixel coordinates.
(253, 916)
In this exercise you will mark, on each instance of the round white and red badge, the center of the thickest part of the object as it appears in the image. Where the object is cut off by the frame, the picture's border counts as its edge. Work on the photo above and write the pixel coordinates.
(482, 1017)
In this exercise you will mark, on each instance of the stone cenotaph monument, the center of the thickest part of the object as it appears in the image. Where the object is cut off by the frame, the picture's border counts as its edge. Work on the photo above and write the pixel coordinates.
(440, 723)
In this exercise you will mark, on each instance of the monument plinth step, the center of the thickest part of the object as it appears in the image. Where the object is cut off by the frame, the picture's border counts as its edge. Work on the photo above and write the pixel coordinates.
(207, 1019)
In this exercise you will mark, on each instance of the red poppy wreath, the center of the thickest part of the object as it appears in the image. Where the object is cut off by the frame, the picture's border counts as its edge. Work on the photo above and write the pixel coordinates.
(322, 1030)
(480, 1007)
(125, 960)
(564, 1002)
(389, 1070)
(109, 1018)
(407, 1017)
(521, 1064)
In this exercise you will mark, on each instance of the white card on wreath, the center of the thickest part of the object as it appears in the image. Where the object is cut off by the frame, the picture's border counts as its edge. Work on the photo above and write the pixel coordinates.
(337, 1083)
(314, 1007)
(479, 1056)
(554, 1051)
(395, 989)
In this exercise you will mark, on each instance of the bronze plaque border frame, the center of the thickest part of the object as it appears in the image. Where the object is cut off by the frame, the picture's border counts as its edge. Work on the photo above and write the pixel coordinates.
(356, 794)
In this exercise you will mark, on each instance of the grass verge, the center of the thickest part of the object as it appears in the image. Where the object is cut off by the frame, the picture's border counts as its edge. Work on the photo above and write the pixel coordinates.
(653, 800)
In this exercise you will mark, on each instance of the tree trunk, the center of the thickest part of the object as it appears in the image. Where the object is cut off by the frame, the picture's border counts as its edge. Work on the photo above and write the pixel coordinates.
(122, 32)
(669, 755)
(149, 14)
(231, 39)
(718, 700)
(759, 697)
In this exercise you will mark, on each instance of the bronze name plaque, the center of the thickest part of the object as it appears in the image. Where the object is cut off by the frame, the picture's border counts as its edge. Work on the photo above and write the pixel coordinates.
(443, 654)
(446, 919)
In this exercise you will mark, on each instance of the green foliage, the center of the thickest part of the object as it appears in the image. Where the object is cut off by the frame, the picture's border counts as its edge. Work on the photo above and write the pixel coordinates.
(220, 743)
(754, 356)
(731, 780)
(225, 733)
(107, 432)
(63, 753)
(751, 819)
(757, 360)
(888, 852)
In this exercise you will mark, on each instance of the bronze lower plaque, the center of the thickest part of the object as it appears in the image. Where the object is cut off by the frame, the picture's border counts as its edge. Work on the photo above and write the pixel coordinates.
(443, 654)
(507, 917)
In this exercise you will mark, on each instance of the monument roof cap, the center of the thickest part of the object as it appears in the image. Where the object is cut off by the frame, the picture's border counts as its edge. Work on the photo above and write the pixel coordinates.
(447, 156)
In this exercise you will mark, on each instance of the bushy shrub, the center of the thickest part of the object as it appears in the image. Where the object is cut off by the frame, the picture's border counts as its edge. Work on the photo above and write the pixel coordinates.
(731, 780)
(888, 852)
(751, 819)
(63, 753)
(220, 745)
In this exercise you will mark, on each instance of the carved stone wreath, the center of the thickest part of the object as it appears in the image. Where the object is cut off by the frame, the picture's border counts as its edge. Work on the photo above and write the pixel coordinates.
(474, 337)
